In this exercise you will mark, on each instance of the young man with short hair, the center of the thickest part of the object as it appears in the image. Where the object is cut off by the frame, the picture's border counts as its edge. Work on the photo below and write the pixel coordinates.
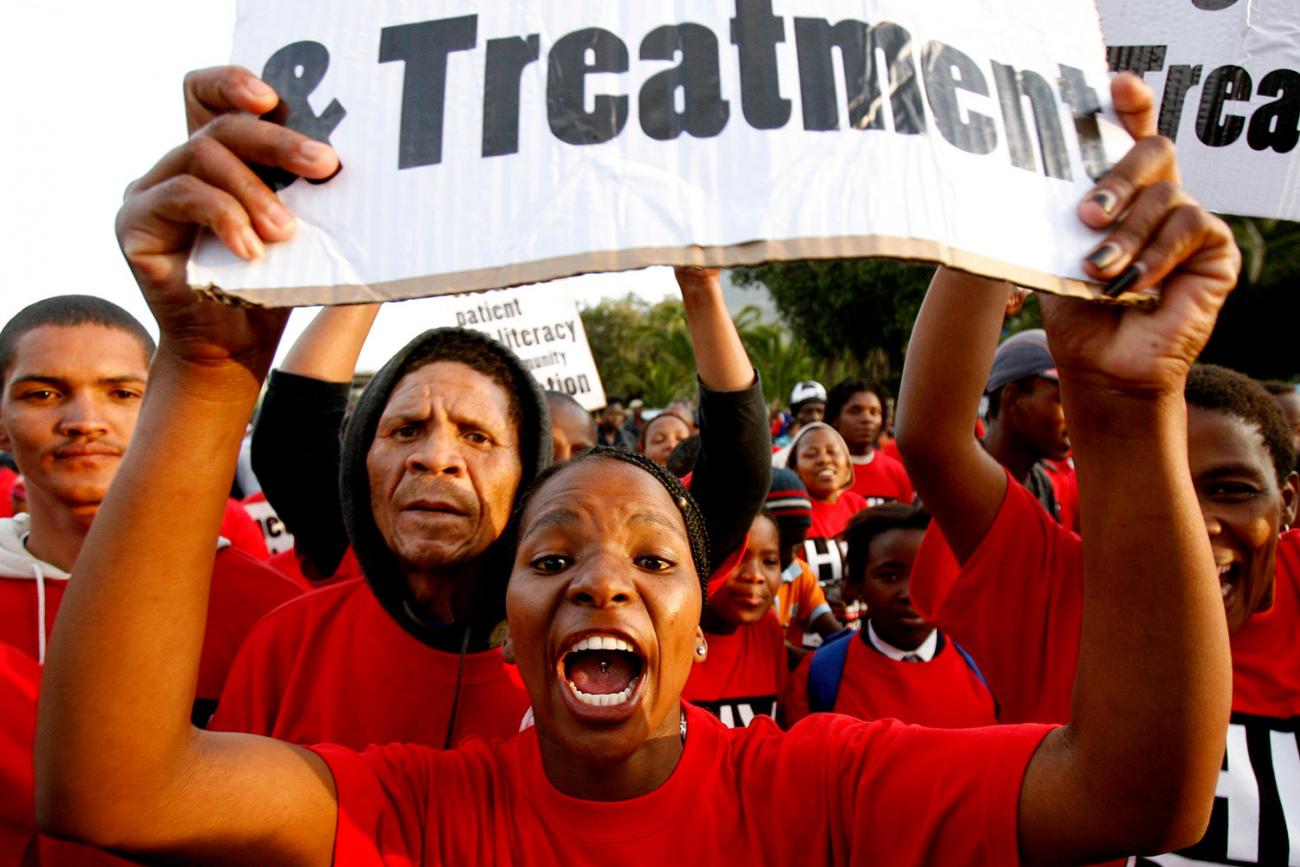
(1026, 430)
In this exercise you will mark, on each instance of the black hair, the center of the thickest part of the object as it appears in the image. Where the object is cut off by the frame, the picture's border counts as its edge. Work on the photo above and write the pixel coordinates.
(1222, 390)
(696, 533)
(69, 311)
(842, 392)
(645, 428)
(684, 455)
(866, 525)
(1023, 384)
(1277, 386)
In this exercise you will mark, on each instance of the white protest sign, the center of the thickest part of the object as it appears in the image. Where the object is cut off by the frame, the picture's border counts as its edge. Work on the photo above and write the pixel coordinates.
(1227, 74)
(489, 145)
(540, 324)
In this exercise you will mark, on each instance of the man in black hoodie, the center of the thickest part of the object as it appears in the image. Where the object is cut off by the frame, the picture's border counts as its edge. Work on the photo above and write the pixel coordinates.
(433, 457)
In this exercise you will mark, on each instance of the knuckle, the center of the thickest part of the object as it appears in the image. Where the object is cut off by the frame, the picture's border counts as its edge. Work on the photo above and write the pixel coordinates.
(1165, 191)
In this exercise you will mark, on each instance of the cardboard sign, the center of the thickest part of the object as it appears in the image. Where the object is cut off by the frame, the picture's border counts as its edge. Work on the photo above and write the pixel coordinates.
(541, 325)
(1227, 73)
(501, 144)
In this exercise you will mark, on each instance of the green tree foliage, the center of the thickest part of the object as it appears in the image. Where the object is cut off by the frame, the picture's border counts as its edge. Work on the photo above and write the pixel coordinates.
(641, 349)
(644, 350)
(854, 315)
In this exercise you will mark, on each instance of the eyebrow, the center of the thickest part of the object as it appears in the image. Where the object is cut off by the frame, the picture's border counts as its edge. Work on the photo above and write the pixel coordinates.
(558, 517)
(654, 519)
(39, 378)
(1235, 469)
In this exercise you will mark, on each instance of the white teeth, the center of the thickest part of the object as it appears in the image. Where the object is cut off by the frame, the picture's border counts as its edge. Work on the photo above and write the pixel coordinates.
(606, 700)
(1225, 589)
(1223, 570)
(600, 642)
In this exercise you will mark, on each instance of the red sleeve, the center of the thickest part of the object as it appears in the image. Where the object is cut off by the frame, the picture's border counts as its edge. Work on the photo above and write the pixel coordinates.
(900, 794)
(243, 532)
(794, 699)
(20, 678)
(1016, 606)
(382, 813)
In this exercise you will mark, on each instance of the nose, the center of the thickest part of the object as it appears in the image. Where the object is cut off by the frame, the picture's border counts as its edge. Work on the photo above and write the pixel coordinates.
(83, 416)
(603, 582)
(437, 452)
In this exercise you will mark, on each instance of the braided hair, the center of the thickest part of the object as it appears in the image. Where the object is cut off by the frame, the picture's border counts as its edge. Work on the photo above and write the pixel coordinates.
(696, 533)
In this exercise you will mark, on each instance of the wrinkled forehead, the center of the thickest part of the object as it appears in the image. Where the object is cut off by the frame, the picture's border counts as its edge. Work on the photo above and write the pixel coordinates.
(453, 382)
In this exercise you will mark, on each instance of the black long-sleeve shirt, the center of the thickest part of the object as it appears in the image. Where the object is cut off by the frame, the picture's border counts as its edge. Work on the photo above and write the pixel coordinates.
(296, 448)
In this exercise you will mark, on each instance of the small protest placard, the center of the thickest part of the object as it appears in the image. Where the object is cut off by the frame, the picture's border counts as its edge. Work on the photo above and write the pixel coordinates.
(501, 144)
(1227, 74)
(541, 325)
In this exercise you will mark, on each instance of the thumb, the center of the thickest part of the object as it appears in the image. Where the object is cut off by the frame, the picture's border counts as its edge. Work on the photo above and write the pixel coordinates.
(1135, 104)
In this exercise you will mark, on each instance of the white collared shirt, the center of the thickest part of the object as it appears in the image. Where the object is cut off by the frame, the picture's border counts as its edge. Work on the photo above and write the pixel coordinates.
(925, 650)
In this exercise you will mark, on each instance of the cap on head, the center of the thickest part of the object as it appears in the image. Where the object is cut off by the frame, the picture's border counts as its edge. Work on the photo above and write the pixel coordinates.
(1020, 356)
(806, 391)
(382, 570)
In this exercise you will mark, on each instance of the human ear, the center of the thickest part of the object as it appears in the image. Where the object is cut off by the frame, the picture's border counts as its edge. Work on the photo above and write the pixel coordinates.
(1290, 499)
(701, 647)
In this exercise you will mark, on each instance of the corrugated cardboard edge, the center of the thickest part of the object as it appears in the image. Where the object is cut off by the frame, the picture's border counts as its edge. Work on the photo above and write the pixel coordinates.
(749, 253)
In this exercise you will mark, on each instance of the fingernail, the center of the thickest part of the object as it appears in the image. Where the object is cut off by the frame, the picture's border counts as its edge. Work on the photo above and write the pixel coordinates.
(332, 175)
(1104, 199)
(253, 246)
(1125, 281)
(280, 216)
(259, 89)
(1104, 256)
(312, 150)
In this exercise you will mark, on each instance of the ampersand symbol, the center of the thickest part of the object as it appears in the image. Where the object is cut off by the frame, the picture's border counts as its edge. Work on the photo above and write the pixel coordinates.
(295, 71)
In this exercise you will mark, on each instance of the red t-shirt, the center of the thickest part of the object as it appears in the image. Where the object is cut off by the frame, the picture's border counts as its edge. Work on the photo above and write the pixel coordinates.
(881, 479)
(828, 519)
(288, 563)
(1065, 486)
(1016, 606)
(833, 790)
(242, 531)
(20, 679)
(7, 479)
(1029, 654)
(941, 693)
(333, 667)
(742, 675)
(242, 591)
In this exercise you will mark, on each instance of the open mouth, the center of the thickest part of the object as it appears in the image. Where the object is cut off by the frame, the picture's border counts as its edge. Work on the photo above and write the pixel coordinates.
(602, 670)
(1229, 580)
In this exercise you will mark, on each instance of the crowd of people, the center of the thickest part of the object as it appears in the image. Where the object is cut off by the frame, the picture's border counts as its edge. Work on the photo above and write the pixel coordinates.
(1014, 617)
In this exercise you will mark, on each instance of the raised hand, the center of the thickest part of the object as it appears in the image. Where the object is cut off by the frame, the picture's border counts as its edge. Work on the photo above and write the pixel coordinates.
(1160, 237)
(207, 183)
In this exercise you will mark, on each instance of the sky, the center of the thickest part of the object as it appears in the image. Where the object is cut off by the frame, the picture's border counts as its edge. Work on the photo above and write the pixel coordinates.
(93, 99)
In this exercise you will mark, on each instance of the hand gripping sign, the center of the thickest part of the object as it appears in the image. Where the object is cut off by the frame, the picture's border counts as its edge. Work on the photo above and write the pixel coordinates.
(501, 144)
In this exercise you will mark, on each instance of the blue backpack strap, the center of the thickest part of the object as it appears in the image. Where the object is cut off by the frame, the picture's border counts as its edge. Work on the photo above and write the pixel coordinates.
(970, 661)
(825, 671)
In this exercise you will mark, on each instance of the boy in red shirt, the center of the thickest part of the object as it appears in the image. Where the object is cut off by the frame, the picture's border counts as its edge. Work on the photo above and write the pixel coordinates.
(856, 409)
(897, 665)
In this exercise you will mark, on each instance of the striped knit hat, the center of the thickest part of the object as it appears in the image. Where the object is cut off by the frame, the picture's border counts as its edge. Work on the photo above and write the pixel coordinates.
(789, 503)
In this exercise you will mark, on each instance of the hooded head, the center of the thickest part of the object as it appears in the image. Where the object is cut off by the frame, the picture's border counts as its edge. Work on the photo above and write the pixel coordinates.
(442, 443)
